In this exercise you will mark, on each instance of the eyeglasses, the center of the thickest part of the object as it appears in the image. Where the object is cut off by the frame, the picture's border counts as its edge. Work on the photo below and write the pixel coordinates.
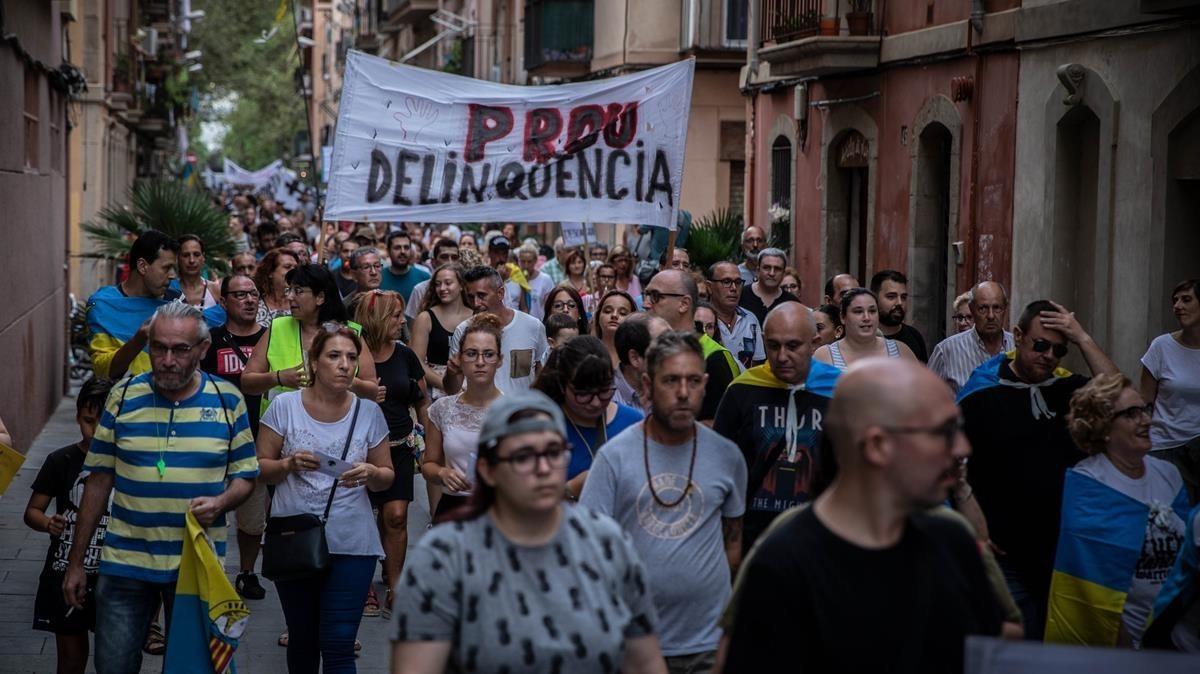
(296, 291)
(523, 461)
(473, 355)
(949, 430)
(753, 239)
(961, 318)
(240, 295)
(1042, 346)
(585, 397)
(378, 266)
(654, 296)
(729, 282)
(565, 305)
(178, 350)
(790, 287)
(1134, 412)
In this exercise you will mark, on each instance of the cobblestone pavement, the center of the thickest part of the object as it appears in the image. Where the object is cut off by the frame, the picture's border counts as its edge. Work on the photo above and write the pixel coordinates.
(23, 551)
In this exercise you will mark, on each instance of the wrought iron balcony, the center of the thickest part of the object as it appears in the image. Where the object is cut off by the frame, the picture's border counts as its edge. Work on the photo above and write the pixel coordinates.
(811, 38)
(558, 37)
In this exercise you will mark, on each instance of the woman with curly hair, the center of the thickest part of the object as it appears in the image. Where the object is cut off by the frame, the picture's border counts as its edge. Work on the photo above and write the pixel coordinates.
(1122, 519)
(271, 279)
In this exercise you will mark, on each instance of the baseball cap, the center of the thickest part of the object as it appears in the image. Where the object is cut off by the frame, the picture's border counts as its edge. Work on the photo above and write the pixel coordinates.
(496, 238)
(498, 423)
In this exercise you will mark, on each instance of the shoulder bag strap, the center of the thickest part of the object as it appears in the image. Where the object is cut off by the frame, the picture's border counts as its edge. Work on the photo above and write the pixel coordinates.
(345, 450)
(237, 350)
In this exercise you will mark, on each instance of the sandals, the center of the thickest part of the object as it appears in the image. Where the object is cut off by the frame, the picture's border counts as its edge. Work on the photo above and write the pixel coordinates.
(371, 607)
(156, 643)
(283, 641)
(387, 605)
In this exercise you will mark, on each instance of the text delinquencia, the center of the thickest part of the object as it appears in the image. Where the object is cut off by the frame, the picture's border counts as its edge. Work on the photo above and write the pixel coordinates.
(600, 158)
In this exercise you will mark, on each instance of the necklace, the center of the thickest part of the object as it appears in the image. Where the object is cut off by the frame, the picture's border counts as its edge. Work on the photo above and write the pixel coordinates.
(650, 480)
(161, 464)
(587, 445)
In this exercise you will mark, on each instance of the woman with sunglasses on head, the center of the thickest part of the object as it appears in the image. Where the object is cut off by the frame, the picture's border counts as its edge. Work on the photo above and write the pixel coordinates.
(454, 420)
(579, 377)
(520, 582)
(443, 307)
(271, 278)
(280, 361)
(299, 429)
(401, 386)
(565, 300)
(612, 309)
(1122, 510)
(860, 322)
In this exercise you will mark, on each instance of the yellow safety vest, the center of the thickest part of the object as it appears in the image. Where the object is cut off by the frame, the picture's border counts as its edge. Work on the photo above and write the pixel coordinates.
(285, 351)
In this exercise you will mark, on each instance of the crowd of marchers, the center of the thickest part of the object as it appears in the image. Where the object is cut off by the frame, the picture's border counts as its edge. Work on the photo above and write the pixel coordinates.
(632, 465)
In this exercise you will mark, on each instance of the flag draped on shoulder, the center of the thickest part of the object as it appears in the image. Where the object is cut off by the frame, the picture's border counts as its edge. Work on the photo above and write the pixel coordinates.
(209, 617)
(1180, 591)
(1099, 543)
(113, 318)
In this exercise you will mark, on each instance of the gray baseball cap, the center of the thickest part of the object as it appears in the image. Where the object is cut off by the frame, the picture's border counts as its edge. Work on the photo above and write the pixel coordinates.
(498, 424)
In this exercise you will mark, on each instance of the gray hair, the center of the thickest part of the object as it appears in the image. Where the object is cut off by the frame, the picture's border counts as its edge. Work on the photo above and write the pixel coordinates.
(773, 252)
(528, 248)
(671, 343)
(361, 252)
(181, 309)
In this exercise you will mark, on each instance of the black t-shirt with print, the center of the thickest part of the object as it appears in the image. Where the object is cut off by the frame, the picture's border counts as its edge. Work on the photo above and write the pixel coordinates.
(60, 478)
(803, 593)
(752, 303)
(222, 361)
(401, 374)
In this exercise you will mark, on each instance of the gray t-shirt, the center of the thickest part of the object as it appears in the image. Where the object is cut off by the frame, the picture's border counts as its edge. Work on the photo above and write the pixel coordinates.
(566, 606)
(682, 547)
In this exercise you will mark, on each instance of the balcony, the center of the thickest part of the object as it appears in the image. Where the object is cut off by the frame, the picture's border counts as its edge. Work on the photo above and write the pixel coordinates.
(408, 11)
(558, 37)
(714, 30)
(813, 38)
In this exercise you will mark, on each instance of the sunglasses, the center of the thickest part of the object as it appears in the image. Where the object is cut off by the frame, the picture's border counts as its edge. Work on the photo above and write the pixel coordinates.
(1042, 346)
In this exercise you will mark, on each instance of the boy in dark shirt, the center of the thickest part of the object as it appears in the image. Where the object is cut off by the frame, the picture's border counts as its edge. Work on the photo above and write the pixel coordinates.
(60, 480)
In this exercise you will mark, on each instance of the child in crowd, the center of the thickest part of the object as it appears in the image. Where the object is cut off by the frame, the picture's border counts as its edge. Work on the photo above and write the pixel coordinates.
(61, 480)
(560, 328)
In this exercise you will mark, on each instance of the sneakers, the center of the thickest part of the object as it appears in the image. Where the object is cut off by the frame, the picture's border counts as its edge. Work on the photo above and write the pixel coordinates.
(248, 586)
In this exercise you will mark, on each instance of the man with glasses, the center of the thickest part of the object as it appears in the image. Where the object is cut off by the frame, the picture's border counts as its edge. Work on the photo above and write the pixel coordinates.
(523, 337)
(598, 252)
(401, 276)
(445, 251)
(765, 294)
(678, 489)
(1015, 409)
(740, 330)
(367, 270)
(753, 240)
(896, 437)
(957, 356)
(232, 346)
(672, 295)
(171, 441)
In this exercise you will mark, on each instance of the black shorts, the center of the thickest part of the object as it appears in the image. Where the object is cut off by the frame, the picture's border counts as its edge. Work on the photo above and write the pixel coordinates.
(402, 486)
(50, 610)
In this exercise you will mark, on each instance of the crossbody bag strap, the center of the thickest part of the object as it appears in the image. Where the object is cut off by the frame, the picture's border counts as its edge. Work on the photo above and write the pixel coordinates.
(237, 350)
(345, 450)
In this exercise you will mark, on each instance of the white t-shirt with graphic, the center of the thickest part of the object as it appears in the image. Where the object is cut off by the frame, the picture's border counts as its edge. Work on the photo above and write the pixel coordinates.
(1157, 488)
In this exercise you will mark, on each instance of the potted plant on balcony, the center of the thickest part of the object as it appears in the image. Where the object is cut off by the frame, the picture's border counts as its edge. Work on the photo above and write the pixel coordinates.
(859, 18)
(831, 24)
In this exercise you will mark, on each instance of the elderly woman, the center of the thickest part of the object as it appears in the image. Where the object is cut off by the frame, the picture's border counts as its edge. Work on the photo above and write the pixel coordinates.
(522, 582)
(963, 318)
(1122, 520)
(300, 431)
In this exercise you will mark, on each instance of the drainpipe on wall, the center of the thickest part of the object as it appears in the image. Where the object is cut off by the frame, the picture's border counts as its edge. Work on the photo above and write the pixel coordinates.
(749, 195)
(977, 13)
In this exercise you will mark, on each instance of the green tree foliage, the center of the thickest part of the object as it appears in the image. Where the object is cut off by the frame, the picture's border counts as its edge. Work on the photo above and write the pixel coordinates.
(169, 207)
(267, 113)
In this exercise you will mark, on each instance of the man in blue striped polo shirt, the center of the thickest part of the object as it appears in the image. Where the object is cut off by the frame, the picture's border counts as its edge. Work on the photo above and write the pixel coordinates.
(170, 441)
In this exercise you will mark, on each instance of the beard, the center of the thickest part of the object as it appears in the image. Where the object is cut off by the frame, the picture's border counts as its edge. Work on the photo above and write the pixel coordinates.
(175, 378)
(892, 318)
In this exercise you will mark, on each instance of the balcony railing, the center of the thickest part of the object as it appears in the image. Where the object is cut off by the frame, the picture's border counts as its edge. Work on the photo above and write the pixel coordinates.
(558, 36)
(789, 20)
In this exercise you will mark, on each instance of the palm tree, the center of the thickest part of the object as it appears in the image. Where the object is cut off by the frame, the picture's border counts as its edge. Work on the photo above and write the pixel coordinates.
(171, 208)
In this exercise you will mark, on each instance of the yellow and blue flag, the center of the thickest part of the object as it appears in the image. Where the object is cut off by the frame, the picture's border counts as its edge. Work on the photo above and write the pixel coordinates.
(208, 617)
(113, 318)
(1099, 543)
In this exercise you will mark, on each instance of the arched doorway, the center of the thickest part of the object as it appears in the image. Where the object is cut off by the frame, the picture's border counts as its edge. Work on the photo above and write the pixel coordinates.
(848, 205)
(1076, 203)
(1181, 259)
(931, 284)
(781, 173)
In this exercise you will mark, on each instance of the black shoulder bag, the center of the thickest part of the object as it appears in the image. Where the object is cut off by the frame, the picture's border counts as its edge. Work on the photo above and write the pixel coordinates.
(295, 546)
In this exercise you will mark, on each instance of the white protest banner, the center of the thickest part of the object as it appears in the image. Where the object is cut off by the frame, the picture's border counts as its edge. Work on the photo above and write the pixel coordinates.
(578, 233)
(236, 175)
(424, 146)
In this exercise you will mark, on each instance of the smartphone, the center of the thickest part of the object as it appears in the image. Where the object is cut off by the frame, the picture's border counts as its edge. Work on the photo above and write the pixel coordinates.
(331, 465)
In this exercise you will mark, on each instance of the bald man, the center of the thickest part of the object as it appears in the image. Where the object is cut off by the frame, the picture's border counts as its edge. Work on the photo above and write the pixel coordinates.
(837, 286)
(754, 239)
(865, 579)
(775, 414)
(957, 356)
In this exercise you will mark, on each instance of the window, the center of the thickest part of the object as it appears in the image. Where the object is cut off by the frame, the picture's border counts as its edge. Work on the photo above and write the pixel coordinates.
(56, 126)
(33, 92)
(736, 18)
(781, 173)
